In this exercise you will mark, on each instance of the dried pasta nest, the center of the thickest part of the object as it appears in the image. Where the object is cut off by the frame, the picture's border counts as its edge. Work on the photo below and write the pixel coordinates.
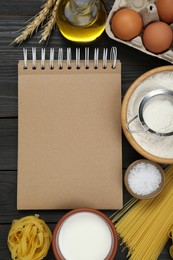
(29, 238)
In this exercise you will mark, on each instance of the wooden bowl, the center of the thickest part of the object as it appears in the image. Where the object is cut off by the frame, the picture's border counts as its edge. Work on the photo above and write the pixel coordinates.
(56, 233)
(151, 195)
(125, 102)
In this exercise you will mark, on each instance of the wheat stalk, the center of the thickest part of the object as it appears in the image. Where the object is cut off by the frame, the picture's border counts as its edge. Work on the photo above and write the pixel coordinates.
(50, 24)
(36, 22)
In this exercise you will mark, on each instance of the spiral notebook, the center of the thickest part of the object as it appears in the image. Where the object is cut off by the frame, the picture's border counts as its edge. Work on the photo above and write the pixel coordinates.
(69, 132)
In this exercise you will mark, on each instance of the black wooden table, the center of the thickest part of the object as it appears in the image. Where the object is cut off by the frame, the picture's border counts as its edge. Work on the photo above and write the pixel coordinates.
(13, 16)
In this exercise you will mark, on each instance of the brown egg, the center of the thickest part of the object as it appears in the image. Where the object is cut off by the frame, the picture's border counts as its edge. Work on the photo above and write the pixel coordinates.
(165, 10)
(157, 37)
(126, 24)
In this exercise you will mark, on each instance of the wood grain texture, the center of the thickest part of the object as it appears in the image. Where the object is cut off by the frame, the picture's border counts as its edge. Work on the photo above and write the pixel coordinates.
(8, 144)
(125, 103)
(14, 15)
(8, 211)
(5, 254)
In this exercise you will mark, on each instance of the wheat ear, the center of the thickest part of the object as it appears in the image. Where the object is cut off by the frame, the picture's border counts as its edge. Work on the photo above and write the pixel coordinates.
(50, 24)
(36, 22)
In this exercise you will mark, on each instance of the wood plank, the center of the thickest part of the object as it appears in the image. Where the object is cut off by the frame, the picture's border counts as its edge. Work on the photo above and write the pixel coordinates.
(30, 7)
(9, 76)
(24, 8)
(134, 63)
(5, 253)
(13, 17)
(8, 146)
(8, 202)
(8, 212)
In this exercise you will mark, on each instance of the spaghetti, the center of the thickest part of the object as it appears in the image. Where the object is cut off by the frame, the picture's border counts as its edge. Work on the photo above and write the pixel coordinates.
(145, 226)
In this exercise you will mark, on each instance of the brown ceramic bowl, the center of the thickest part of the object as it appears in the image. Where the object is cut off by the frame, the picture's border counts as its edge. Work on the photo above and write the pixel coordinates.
(153, 194)
(55, 246)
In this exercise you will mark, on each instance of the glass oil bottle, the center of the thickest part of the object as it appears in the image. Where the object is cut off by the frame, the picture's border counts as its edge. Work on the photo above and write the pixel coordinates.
(81, 20)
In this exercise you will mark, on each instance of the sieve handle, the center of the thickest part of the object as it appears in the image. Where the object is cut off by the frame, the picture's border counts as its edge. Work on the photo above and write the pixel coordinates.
(134, 131)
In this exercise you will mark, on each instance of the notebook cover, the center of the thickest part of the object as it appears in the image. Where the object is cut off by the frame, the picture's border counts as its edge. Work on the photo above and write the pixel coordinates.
(69, 138)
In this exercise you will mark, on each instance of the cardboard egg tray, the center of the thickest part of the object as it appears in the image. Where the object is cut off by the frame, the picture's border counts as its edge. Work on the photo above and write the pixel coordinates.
(148, 10)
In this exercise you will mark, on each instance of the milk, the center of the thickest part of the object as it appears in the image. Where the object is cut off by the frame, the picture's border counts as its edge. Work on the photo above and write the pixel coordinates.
(84, 236)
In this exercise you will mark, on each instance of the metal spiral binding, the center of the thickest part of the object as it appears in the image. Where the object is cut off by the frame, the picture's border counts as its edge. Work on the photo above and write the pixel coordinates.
(34, 57)
(87, 58)
(69, 57)
(43, 54)
(96, 58)
(113, 58)
(51, 58)
(25, 52)
(77, 58)
(60, 58)
(105, 58)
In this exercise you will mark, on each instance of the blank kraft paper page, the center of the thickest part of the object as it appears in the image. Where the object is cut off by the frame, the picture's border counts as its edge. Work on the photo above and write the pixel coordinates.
(69, 138)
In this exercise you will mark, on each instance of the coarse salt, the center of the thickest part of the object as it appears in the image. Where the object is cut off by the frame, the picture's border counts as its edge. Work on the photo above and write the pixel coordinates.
(144, 178)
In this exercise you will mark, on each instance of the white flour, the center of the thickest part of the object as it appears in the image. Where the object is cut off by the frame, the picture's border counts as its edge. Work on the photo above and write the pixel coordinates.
(155, 145)
(158, 115)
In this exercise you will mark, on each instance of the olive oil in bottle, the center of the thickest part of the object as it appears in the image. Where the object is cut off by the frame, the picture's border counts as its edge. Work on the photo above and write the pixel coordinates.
(81, 20)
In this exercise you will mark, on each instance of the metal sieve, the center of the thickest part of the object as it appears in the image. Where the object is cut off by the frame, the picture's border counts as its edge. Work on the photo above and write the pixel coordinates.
(159, 94)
